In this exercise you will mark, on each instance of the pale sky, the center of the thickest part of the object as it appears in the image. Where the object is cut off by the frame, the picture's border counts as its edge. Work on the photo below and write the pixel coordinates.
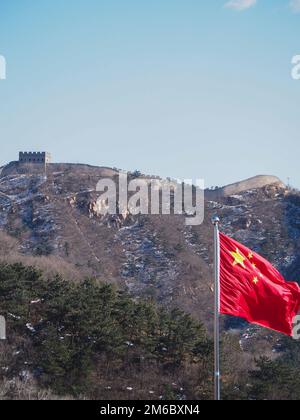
(180, 88)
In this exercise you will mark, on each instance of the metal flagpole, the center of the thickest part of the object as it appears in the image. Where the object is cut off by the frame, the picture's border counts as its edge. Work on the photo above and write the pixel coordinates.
(216, 222)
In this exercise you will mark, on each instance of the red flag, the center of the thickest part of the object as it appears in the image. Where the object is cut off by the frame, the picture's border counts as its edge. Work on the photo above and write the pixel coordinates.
(251, 288)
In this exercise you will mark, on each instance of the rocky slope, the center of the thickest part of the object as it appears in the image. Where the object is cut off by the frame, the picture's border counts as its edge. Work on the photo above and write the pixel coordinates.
(159, 256)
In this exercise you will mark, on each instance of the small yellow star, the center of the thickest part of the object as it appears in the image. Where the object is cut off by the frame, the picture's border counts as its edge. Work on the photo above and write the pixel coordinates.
(250, 255)
(255, 280)
(254, 265)
(238, 258)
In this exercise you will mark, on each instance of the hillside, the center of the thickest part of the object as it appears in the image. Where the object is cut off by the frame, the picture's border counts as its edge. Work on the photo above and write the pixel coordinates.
(148, 254)
(156, 255)
(53, 223)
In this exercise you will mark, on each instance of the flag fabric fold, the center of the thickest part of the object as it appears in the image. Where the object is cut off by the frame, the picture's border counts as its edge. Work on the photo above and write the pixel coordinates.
(251, 288)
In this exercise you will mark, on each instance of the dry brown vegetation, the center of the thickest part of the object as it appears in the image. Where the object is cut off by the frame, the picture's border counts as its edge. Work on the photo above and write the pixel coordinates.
(50, 265)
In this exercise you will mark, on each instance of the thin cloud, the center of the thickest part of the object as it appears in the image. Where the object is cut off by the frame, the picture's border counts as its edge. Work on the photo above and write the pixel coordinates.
(241, 5)
(295, 6)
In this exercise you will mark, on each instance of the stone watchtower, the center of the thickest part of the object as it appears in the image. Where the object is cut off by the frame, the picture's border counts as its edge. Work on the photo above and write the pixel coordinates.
(35, 157)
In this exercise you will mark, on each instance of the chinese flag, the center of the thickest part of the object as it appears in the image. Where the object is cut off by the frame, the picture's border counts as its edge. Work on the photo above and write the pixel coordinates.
(251, 288)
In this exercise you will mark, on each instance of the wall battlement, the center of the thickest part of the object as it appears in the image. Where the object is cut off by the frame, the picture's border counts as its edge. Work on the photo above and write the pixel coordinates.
(254, 183)
(34, 157)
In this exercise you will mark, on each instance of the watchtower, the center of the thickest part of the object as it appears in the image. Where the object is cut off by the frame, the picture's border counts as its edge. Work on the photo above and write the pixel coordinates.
(37, 161)
(35, 157)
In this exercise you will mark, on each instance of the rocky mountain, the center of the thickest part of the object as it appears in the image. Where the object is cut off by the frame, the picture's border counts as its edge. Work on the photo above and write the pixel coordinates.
(55, 219)
(141, 348)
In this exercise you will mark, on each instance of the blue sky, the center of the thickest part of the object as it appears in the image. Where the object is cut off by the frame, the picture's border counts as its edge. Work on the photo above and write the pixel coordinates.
(182, 88)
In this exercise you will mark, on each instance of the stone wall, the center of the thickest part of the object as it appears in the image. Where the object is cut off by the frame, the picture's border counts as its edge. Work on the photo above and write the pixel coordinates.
(246, 185)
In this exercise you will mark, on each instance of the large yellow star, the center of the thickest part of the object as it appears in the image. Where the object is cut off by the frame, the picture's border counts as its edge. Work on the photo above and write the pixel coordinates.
(238, 258)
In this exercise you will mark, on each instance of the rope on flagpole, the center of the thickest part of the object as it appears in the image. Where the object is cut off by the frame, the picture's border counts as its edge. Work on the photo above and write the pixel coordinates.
(217, 381)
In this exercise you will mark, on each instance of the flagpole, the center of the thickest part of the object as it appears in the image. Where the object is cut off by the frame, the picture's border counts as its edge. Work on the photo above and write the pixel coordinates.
(217, 385)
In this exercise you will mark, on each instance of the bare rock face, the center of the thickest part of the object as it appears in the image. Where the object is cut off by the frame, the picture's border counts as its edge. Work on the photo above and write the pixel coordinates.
(254, 183)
